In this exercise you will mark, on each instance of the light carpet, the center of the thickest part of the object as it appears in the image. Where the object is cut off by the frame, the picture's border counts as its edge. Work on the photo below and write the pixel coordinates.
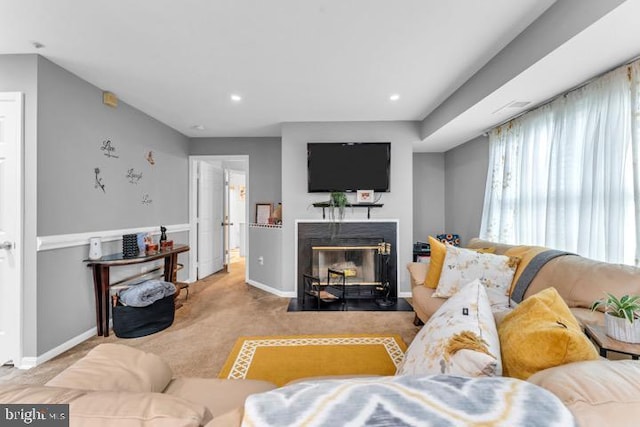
(281, 359)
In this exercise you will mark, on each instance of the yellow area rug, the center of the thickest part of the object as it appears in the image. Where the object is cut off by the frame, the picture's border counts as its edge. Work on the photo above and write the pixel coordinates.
(281, 359)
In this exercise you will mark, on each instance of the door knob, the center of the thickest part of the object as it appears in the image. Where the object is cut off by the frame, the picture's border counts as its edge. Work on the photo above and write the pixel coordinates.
(6, 245)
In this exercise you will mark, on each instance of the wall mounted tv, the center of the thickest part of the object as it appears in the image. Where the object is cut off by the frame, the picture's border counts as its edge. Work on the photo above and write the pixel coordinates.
(348, 166)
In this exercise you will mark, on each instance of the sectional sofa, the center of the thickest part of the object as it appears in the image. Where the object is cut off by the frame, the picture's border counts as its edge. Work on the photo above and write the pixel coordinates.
(580, 281)
(116, 385)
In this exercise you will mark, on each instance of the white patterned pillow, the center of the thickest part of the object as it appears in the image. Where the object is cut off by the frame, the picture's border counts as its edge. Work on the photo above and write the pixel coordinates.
(461, 266)
(459, 339)
(431, 400)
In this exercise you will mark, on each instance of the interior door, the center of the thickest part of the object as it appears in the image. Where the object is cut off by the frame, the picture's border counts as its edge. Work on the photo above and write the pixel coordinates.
(10, 225)
(210, 239)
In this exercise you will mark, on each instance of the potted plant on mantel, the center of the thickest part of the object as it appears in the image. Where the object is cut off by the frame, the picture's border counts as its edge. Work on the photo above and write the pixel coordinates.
(337, 201)
(622, 317)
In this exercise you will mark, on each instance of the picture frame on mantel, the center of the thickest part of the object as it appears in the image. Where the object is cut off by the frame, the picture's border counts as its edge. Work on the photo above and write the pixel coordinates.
(263, 212)
(364, 196)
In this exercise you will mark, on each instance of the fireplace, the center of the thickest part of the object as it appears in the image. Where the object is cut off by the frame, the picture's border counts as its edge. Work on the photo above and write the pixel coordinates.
(359, 263)
(352, 247)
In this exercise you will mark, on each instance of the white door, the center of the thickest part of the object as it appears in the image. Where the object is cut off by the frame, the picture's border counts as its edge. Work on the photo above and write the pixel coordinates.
(10, 225)
(210, 240)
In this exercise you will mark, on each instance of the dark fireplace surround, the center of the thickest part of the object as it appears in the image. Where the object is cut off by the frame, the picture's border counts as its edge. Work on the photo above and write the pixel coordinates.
(345, 234)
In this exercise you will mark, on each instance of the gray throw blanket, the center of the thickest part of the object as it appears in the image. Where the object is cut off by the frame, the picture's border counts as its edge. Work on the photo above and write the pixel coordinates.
(531, 270)
(146, 293)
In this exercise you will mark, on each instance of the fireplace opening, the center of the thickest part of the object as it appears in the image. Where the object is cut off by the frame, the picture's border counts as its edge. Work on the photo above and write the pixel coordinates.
(359, 263)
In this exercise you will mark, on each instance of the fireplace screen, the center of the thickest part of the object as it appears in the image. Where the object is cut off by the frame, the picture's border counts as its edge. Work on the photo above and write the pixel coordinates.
(359, 263)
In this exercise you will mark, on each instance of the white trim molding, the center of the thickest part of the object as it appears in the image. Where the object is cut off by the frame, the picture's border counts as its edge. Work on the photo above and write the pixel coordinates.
(266, 288)
(45, 243)
(32, 362)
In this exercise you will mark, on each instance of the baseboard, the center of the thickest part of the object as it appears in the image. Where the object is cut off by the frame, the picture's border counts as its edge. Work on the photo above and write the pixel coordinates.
(27, 363)
(271, 290)
(404, 294)
(32, 362)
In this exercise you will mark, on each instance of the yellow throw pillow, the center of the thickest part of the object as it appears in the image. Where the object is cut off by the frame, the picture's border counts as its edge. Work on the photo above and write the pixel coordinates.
(526, 254)
(438, 252)
(541, 333)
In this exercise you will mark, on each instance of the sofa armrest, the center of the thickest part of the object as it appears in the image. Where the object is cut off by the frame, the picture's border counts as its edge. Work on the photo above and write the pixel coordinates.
(417, 272)
(116, 367)
(597, 392)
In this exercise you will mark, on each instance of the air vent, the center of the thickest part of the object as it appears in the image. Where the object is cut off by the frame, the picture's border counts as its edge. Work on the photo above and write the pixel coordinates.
(513, 105)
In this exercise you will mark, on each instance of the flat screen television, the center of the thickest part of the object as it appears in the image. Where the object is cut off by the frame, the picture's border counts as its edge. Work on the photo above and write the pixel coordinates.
(348, 166)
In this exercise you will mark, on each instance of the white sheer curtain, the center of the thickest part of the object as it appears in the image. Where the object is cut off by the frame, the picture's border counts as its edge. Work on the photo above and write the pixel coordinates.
(567, 175)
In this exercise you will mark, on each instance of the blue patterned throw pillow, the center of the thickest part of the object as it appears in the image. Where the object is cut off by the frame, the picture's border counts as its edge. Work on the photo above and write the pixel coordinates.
(452, 239)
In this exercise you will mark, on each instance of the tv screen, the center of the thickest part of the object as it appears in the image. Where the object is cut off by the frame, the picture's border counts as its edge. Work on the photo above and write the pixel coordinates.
(348, 166)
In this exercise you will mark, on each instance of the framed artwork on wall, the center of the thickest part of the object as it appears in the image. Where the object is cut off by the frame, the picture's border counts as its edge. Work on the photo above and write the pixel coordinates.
(263, 213)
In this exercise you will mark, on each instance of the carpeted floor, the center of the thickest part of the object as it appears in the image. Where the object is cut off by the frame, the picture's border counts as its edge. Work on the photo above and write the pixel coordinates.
(220, 309)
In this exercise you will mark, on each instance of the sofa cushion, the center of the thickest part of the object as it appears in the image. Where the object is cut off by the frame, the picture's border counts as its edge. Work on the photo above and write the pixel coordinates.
(113, 409)
(218, 395)
(417, 273)
(423, 304)
(586, 316)
(116, 367)
(598, 393)
(461, 266)
(438, 252)
(580, 281)
(459, 339)
(541, 333)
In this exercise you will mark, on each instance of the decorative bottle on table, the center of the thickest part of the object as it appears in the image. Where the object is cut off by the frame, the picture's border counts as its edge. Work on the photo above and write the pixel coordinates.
(164, 243)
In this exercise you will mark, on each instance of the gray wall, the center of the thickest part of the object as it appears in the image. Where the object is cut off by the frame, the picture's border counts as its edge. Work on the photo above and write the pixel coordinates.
(428, 195)
(65, 123)
(265, 243)
(65, 290)
(18, 73)
(465, 178)
(398, 203)
(265, 166)
(72, 124)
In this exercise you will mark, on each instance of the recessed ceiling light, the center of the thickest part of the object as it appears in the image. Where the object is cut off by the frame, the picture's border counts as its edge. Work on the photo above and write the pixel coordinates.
(197, 127)
(394, 97)
(236, 97)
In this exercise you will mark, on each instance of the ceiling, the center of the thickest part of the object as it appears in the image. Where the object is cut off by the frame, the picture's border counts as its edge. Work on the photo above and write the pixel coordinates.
(611, 41)
(293, 60)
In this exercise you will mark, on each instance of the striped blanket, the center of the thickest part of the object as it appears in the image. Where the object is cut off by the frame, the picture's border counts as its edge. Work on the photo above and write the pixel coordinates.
(440, 400)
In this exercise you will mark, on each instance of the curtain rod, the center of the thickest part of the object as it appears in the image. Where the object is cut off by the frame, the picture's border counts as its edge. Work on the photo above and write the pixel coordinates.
(565, 93)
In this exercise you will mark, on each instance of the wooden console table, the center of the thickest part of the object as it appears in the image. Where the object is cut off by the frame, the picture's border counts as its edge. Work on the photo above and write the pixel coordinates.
(101, 277)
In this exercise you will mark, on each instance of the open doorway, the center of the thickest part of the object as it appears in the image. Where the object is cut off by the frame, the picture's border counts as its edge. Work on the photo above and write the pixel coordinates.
(237, 194)
(218, 198)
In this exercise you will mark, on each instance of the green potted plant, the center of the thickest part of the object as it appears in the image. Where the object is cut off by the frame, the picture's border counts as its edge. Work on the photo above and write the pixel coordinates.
(337, 204)
(622, 316)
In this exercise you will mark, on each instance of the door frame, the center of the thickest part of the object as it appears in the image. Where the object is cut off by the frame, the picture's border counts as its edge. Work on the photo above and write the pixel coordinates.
(17, 297)
(193, 208)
